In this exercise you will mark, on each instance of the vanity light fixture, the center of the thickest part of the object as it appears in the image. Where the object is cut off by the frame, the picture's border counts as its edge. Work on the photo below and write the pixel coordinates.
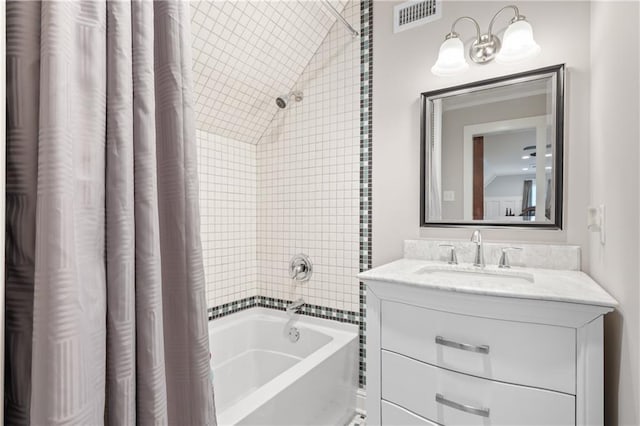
(518, 45)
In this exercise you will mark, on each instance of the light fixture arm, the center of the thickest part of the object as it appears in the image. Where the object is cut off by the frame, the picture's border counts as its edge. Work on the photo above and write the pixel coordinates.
(518, 17)
(453, 32)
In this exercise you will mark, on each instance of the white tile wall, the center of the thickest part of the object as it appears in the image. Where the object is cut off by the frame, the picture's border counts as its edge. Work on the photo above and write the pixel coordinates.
(227, 171)
(245, 54)
(308, 179)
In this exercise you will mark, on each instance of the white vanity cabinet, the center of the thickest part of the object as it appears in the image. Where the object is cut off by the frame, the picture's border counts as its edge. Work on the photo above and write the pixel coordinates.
(453, 357)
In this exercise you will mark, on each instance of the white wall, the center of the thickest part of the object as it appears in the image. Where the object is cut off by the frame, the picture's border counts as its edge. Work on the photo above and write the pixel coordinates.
(615, 134)
(599, 42)
(402, 65)
(507, 186)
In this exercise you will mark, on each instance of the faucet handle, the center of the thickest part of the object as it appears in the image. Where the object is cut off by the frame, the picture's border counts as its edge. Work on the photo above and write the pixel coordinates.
(300, 268)
(453, 258)
(504, 259)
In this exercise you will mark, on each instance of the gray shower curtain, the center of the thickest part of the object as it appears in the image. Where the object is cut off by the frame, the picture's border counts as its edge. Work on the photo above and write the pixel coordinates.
(105, 307)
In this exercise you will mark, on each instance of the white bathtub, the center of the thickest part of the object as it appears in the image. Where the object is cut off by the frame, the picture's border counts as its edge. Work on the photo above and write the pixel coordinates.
(262, 378)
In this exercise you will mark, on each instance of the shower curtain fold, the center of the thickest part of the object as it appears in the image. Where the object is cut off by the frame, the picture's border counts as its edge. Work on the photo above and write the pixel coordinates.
(106, 315)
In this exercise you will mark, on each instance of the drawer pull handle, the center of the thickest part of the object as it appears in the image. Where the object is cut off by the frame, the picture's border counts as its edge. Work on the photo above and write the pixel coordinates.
(481, 349)
(440, 399)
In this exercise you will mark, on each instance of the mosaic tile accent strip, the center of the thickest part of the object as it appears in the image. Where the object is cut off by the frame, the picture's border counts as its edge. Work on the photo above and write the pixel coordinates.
(316, 311)
(366, 97)
(324, 312)
(232, 307)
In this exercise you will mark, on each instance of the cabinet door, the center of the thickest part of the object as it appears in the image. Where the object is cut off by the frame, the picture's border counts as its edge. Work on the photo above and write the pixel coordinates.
(451, 398)
(528, 354)
(392, 415)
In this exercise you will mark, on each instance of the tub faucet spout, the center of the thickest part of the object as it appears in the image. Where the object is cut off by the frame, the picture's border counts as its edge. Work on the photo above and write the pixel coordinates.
(294, 307)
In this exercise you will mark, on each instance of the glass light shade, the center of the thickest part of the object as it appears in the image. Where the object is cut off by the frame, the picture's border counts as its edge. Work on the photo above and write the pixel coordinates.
(451, 59)
(518, 43)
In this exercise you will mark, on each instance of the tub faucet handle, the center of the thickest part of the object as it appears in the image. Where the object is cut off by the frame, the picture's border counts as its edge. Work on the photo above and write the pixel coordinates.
(453, 258)
(297, 270)
(300, 267)
(504, 259)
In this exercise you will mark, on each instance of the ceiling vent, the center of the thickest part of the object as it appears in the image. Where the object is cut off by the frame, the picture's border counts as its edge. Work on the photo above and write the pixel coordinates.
(413, 13)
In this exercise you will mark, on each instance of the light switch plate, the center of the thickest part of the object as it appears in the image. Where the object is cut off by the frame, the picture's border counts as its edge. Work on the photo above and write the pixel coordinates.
(449, 195)
(596, 221)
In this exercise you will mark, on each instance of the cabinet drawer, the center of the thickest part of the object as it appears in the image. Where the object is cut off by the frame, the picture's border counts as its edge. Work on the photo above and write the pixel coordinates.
(468, 400)
(523, 353)
(392, 415)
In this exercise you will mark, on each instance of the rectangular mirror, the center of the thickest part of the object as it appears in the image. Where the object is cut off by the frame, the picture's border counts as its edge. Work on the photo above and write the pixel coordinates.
(491, 152)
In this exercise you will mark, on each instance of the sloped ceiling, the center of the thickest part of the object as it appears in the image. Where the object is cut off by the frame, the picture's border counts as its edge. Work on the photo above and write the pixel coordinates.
(245, 54)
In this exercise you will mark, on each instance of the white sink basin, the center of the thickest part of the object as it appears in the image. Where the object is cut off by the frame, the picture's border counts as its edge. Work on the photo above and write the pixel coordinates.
(476, 274)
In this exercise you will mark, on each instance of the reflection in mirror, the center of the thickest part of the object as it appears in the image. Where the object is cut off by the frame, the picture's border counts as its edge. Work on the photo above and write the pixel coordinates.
(492, 152)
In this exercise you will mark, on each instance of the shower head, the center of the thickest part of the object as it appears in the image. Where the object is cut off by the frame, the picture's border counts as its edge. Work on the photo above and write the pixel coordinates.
(283, 100)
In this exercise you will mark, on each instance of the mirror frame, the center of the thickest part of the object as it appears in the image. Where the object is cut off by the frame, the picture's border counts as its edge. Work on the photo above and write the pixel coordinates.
(555, 71)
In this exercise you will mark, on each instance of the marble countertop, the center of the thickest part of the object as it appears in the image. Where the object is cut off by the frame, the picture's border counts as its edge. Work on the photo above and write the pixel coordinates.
(529, 283)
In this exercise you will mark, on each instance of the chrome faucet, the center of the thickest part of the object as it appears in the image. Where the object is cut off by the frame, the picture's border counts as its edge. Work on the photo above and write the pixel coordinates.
(294, 307)
(504, 259)
(476, 238)
(453, 258)
(300, 267)
(298, 271)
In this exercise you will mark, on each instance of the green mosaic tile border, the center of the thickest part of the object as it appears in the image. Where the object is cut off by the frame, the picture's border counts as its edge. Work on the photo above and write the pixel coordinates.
(366, 96)
(317, 311)
(231, 307)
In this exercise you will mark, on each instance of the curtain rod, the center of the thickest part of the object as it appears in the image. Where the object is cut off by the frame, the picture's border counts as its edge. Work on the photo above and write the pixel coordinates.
(339, 16)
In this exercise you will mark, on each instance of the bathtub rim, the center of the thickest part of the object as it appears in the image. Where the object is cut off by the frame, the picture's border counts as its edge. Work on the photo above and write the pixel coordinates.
(318, 323)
